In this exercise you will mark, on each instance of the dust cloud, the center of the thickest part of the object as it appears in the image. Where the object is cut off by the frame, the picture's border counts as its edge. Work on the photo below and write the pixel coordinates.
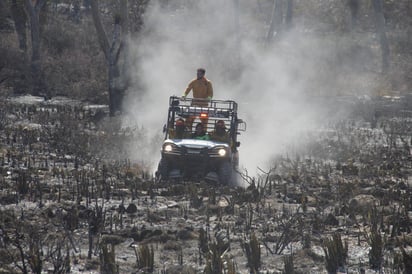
(271, 82)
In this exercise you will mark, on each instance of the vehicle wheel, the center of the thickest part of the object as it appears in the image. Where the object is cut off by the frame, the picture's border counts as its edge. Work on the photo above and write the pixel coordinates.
(225, 173)
(162, 172)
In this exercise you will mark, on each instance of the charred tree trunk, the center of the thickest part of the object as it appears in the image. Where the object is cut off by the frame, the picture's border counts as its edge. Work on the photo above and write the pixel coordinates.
(380, 29)
(33, 9)
(354, 10)
(115, 90)
(112, 52)
(124, 19)
(20, 20)
(125, 36)
(101, 34)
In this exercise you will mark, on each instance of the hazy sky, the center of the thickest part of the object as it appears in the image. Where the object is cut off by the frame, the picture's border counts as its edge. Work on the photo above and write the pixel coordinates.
(271, 83)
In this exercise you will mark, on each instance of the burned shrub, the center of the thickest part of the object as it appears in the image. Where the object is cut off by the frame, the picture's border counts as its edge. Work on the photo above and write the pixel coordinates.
(252, 249)
(376, 251)
(214, 259)
(336, 253)
(145, 257)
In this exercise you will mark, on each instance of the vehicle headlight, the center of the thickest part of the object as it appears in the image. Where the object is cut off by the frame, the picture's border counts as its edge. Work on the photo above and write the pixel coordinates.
(222, 152)
(168, 148)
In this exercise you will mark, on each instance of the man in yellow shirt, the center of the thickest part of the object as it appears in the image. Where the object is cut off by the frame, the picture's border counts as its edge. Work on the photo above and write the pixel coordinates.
(202, 91)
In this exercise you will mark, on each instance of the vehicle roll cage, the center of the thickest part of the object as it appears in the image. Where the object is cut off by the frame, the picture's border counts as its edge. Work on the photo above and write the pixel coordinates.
(214, 111)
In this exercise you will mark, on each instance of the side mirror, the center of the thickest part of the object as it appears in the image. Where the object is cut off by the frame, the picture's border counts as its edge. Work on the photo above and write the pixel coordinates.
(241, 125)
(175, 103)
(237, 144)
(164, 128)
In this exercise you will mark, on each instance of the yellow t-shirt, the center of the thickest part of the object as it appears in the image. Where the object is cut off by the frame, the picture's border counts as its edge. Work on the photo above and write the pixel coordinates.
(202, 89)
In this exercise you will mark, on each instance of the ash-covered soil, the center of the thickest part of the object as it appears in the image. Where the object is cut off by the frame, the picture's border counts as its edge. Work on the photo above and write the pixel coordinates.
(71, 201)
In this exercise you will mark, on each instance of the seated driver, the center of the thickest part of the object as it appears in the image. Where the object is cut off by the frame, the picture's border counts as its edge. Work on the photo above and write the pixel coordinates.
(200, 133)
(180, 130)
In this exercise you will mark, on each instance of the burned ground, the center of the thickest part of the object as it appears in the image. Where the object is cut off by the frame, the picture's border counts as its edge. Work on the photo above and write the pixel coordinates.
(71, 201)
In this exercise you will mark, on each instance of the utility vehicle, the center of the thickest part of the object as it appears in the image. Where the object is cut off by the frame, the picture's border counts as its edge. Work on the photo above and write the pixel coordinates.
(192, 159)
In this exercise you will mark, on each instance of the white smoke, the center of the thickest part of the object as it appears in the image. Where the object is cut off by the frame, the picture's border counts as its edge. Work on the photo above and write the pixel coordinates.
(270, 82)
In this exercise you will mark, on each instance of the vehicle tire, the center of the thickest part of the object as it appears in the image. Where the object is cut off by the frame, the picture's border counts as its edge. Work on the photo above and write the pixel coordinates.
(162, 173)
(225, 173)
